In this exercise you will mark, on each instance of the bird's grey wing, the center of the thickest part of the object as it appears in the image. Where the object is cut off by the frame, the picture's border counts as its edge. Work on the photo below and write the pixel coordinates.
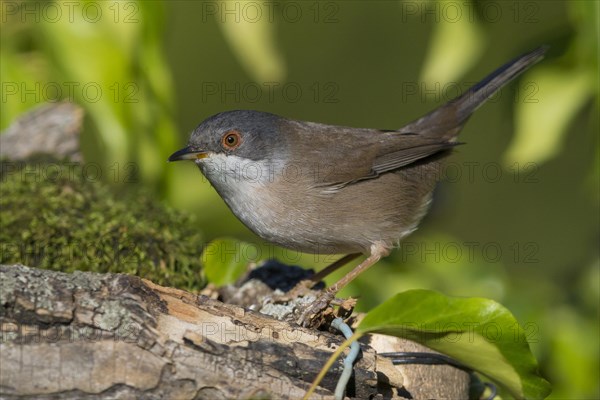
(392, 158)
(349, 155)
(390, 161)
(329, 154)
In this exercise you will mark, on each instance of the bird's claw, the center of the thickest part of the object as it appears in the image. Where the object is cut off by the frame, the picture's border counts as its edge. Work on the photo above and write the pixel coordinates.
(311, 316)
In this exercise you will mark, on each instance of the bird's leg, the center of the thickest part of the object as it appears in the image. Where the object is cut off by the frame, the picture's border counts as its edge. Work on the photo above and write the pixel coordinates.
(378, 250)
(331, 268)
(306, 285)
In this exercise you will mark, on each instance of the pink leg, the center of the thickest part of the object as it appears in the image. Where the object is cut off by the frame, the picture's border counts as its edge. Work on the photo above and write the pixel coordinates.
(378, 250)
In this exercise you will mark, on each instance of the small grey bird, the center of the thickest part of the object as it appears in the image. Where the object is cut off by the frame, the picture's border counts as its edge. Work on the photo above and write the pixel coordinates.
(331, 189)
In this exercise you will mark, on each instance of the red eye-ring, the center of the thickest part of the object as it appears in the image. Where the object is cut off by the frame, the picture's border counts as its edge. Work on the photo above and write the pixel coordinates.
(231, 140)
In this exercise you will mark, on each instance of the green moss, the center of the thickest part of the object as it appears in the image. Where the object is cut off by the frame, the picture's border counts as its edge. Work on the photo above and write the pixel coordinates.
(60, 216)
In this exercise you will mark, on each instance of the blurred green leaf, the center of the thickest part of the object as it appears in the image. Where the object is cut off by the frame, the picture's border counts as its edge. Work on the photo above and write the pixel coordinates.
(225, 260)
(557, 92)
(574, 343)
(107, 57)
(18, 71)
(548, 104)
(446, 61)
(480, 333)
(251, 34)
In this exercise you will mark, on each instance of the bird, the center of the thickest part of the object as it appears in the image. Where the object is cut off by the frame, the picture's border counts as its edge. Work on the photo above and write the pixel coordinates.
(329, 189)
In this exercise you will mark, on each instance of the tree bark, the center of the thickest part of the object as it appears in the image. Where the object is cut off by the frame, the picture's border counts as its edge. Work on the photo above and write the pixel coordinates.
(87, 335)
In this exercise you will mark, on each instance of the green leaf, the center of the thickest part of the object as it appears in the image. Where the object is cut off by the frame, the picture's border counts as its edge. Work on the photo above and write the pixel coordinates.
(225, 260)
(252, 39)
(446, 62)
(479, 333)
(550, 100)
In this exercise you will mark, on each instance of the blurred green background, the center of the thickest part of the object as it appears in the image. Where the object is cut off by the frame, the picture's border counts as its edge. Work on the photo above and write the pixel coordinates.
(515, 220)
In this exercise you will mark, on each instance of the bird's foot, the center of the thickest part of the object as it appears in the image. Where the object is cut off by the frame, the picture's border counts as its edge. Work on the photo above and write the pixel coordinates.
(312, 316)
(317, 312)
(321, 311)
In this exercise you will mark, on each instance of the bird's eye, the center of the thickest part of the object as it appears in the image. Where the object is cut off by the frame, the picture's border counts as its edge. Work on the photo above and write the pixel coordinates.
(231, 140)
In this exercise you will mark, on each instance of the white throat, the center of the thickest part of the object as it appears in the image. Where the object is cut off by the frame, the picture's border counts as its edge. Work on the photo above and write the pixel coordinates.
(230, 170)
(243, 185)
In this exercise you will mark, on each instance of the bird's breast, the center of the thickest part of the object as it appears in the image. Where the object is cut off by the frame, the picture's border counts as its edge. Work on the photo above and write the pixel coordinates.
(288, 209)
(279, 203)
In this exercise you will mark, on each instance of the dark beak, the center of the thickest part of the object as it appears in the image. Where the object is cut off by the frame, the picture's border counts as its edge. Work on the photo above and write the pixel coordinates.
(187, 153)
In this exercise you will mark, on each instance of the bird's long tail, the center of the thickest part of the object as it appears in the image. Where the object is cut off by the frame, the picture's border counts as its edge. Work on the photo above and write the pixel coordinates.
(446, 121)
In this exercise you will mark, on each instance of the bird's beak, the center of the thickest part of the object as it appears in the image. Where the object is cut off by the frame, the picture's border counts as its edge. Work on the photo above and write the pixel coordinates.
(187, 153)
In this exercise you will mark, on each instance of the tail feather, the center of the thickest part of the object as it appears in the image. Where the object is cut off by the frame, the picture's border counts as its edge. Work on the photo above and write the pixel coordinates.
(446, 121)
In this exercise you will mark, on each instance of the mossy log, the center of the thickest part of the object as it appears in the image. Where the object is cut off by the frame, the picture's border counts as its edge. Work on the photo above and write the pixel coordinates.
(87, 335)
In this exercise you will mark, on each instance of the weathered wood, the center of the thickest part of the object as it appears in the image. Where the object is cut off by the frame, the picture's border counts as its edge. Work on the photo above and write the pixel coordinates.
(86, 335)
